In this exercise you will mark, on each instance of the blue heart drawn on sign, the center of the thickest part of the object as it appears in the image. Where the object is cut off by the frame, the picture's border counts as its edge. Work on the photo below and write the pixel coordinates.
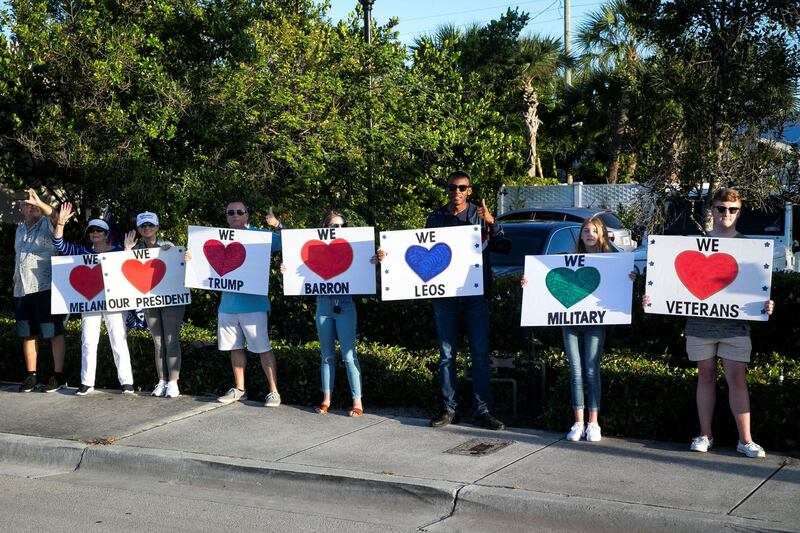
(428, 264)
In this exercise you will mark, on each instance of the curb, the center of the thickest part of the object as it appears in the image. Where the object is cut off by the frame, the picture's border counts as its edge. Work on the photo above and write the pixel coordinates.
(41, 453)
(402, 497)
(561, 512)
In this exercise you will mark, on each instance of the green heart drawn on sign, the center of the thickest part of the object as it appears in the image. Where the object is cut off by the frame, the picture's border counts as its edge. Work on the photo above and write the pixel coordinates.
(571, 286)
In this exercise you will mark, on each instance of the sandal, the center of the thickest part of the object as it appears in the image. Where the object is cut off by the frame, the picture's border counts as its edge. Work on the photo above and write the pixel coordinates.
(321, 409)
(355, 412)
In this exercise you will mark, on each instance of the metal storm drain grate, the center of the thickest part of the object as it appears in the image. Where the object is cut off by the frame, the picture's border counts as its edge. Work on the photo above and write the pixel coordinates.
(479, 447)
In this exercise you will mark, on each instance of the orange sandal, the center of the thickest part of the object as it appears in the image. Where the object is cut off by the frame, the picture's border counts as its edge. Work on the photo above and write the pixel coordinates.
(321, 409)
(355, 412)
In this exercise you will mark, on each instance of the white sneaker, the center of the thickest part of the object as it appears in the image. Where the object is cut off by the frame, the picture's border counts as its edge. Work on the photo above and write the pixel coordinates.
(751, 449)
(273, 399)
(172, 390)
(233, 395)
(592, 432)
(160, 388)
(701, 444)
(575, 432)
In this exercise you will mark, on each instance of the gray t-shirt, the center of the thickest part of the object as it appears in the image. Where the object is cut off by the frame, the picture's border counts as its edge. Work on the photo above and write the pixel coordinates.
(33, 248)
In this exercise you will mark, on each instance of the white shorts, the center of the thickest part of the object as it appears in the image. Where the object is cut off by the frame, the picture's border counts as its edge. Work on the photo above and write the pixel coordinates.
(234, 330)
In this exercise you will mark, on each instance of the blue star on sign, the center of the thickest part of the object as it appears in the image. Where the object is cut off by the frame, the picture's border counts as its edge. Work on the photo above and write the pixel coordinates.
(650, 283)
(476, 245)
(651, 263)
(763, 311)
(476, 285)
(475, 228)
(652, 241)
(766, 266)
(387, 289)
(383, 236)
(385, 271)
(477, 265)
(766, 244)
(765, 288)
(649, 305)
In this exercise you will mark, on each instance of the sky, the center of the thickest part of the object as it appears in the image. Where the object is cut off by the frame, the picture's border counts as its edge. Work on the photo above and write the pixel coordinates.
(420, 17)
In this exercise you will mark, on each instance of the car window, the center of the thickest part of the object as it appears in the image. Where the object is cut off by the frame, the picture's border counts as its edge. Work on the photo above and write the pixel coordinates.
(548, 215)
(523, 215)
(562, 242)
(524, 241)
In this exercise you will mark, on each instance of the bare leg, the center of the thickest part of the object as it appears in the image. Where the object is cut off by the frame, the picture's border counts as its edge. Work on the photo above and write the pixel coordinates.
(58, 346)
(238, 363)
(738, 397)
(706, 393)
(593, 416)
(29, 353)
(579, 415)
(268, 364)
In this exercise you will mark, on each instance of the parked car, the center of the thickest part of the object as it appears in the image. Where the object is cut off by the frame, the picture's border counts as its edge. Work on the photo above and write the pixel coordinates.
(535, 238)
(616, 232)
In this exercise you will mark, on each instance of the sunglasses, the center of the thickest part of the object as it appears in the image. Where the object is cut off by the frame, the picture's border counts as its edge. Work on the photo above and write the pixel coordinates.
(240, 212)
(731, 210)
(335, 225)
(454, 188)
(95, 229)
(147, 225)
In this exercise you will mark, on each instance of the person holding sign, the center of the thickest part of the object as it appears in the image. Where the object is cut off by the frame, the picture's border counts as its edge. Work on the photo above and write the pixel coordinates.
(242, 318)
(473, 310)
(729, 340)
(97, 231)
(33, 248)
(583, 344)
(164, 323)
(336, 319)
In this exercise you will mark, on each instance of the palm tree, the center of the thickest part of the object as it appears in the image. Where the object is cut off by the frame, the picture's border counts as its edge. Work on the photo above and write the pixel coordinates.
(541, 58)
(611, 44)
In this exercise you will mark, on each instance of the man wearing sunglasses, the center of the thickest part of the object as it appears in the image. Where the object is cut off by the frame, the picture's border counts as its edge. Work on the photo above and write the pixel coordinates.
(472, 310)
(729, 340)
(242, 319)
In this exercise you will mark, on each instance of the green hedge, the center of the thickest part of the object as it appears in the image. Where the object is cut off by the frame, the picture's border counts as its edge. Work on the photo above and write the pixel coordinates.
(644, 396)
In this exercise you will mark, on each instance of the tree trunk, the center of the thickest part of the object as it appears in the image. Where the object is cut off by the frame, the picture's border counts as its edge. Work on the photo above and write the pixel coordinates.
(617, 138)
(531, 100)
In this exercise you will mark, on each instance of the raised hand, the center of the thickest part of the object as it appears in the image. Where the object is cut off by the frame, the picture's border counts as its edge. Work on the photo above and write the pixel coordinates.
(484, 213)
(130, 239)
(271, 219)
(65, 212)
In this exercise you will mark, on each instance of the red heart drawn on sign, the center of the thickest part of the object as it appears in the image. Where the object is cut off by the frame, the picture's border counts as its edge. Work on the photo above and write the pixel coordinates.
(224, 259)
(144, 276)
(704, 276)
(86, 280)
(327, 260)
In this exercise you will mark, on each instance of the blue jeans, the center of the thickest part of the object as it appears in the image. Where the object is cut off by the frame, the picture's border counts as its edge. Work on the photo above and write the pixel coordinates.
(342, 325)
(449, 313)
(583, 345)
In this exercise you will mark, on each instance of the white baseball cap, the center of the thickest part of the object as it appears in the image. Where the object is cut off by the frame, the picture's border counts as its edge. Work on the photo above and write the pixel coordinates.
(98, 223)
(147, 216)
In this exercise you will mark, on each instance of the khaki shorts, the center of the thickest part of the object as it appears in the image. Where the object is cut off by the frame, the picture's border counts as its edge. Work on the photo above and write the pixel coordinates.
(731, 348)
(234, 330)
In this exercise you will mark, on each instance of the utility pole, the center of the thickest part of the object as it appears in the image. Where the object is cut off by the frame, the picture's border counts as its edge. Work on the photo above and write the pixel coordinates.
(367, 8)
(568, 70)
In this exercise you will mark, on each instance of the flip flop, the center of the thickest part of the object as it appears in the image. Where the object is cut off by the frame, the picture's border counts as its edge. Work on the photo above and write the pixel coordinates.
(355, 412)
(321, 409)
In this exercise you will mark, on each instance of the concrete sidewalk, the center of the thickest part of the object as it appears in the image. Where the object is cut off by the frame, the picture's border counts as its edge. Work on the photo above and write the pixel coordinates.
(396, 468)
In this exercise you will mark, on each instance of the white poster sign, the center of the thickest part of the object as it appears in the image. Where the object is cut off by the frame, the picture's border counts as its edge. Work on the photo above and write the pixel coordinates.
(577, 290)
(230, 260)
(77, 284)
(144, 278)
(709, 277)
(431, 263)
(328, 261)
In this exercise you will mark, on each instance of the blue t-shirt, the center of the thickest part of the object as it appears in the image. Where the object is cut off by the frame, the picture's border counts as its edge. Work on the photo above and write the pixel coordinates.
(236, 302)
